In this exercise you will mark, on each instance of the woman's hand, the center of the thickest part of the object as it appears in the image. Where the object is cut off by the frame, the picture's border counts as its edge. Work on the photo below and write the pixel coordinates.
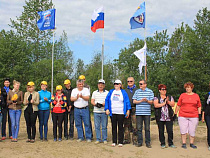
(107, 112)
(127, 114)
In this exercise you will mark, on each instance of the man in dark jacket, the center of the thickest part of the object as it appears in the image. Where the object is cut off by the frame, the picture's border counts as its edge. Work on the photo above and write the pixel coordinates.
(130, 122)
(69, 111)
(5, 111)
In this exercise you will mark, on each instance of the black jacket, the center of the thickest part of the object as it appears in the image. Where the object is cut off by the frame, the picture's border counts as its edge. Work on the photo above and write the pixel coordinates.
(206, 106)
(67, 93)
(2, 103)
(4, 95)
(130, 95)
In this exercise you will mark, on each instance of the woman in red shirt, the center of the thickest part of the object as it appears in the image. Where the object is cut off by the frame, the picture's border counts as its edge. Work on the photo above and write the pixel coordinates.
(189, 107)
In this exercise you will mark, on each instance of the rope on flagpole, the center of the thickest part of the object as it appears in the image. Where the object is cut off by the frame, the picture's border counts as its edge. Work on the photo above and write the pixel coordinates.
(102, 58)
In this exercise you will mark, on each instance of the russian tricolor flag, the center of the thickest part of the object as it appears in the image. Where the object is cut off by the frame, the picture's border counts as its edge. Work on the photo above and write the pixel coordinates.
(97, 20)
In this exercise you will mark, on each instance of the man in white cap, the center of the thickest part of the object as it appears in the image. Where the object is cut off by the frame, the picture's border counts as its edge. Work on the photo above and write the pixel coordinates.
(100, 118)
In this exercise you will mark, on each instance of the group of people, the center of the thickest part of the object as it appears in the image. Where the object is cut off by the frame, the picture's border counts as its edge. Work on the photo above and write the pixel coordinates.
(128, 109)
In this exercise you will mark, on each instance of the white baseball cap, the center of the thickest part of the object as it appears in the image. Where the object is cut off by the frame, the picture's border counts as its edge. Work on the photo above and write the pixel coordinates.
(117, 81)
(101, 81)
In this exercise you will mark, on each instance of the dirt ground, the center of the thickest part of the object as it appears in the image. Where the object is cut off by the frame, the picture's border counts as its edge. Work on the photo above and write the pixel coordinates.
(71, 148)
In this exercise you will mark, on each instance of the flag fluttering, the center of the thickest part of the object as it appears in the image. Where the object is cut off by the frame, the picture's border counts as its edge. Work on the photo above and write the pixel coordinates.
(97, 20)
(139, 17)
(47, 19)
(141, 55)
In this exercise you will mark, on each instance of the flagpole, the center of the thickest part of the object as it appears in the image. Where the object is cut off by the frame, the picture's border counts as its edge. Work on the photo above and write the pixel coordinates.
(102, 57)
(52, 60)
(145, 71)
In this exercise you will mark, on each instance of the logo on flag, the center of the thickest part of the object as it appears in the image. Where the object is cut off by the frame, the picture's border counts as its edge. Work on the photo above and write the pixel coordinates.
(47, 19)
(97, 20)
(138, 19)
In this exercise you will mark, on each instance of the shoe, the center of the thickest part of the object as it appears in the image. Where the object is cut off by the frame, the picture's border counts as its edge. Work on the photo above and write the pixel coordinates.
(209, 148)
(10, 137)
(126, 142)
(193, 146)
(163, 146)
(79, 140)
(97, 142)
(148, 146)
(172, 146)
(66, 138)
(184, 146)
(32, 141)
(71, 138)
(55, 139)
(139, 145)
(28, 141)
(59, 139)
(105, 142)
(13, 140)
(88, 140)
(45, 139)
(113, 144)
(41, 139)
(3, 138)
(120, 145)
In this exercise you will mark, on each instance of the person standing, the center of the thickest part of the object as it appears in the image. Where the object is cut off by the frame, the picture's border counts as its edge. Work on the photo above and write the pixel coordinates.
(189, 107)
(69, 111)
(100, 118)
(206, 115)
(130, 122)
(14, 101)
(31, 102)
(118, 106)
(44, 110)
(5, 111)
(164, 115)
(143, 98)
(80, 97)
(1, 104)
(58, 104)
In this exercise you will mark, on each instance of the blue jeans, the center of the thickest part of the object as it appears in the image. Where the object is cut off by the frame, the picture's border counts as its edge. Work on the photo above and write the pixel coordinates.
(101, 120)
(15, 122)
(139, 124)
(79, 116)
(43, 121)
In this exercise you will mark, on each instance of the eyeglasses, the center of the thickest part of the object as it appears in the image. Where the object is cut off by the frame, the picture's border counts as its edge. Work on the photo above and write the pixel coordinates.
(163, 89)
(129, 81)
(116, 83)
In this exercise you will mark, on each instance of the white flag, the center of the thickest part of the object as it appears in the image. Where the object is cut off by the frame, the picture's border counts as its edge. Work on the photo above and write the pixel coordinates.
(141, 54)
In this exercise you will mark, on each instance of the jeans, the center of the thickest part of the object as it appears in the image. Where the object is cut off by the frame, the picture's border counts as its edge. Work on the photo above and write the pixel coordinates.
(79, 116)
(15, 122)
(139, 125)
(101, 121)
(43, 121)
(30, 117)
(57, 121)
(207, 120)
(117, 122)
(5, 114)
(169, 128)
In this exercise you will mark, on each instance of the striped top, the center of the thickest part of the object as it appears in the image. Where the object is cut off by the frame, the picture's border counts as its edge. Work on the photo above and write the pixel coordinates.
(99, 98)
(143, 108)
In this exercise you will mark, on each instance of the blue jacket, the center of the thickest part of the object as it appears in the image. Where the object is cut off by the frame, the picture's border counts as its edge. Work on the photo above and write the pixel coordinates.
(127, 105)
(44, 105)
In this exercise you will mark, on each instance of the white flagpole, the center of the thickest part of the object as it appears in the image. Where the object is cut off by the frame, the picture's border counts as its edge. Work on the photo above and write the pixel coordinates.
(52, 61)
(145, 71)
(102, 58)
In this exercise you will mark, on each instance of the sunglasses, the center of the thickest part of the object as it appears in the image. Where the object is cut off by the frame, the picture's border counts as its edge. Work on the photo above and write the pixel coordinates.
(116, 83)
(129, 81)
(141, 83)
(163, 89)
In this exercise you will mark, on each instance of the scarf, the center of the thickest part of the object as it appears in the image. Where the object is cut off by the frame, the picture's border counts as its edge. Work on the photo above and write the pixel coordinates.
(131, 88)
(7, 89)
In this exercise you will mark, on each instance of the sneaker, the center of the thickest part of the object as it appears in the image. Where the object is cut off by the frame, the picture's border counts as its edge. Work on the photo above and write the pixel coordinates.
(139, 145)
(209, 148)
(59, 139)
(193, 146)
(148, 146)
(55, 139)
(28, 140)
(3, 138)
(71, 138)
(79, 140)
(120, 145)
(113, 144)
(163, 146)
(66, 138)
(32, 141)
(97, 142)
(88, 140)
(45, 139)
(172, 146)
(184, 146)
(105, 142)
(41, 139)
(10, 137)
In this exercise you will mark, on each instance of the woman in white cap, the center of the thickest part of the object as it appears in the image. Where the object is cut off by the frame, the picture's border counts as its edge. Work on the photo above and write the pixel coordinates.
(117, 105)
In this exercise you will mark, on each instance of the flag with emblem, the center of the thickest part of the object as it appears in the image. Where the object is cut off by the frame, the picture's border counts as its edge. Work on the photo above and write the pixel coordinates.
(97, 20)
(138, 19)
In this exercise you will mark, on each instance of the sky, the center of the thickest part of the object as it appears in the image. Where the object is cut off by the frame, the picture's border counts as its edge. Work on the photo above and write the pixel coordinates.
(74, 16)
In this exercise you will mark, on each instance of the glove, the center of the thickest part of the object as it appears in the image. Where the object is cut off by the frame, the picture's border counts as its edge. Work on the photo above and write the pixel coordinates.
(200, 117)
(98, 105)
(174, 117)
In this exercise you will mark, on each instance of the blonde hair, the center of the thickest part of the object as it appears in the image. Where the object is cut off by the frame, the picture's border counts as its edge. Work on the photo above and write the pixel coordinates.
(15, 82)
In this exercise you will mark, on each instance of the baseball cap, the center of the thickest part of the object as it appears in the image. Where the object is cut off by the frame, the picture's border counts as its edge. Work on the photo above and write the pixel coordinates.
(117, 81)
(101, 81)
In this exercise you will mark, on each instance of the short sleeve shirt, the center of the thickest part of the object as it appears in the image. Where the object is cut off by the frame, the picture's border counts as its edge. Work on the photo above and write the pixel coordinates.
(80, 103)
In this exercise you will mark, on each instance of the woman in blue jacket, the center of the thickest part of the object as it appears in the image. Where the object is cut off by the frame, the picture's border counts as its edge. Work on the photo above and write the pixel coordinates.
(117, 105)
(44, 110)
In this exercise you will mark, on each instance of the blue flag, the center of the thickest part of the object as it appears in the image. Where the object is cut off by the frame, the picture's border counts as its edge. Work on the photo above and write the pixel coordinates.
(138, 19)
(47, 19)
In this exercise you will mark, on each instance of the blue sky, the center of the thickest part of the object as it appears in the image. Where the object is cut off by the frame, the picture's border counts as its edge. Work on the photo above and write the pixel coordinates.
(74, 17)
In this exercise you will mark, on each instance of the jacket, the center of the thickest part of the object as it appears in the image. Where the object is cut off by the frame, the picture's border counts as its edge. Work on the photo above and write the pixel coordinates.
(67, 93)
(58, 107)
(4, 95)
(1, 102)
(206, 105)
(19, 100)
(44, 105)
(35, 97)
(126, 101)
